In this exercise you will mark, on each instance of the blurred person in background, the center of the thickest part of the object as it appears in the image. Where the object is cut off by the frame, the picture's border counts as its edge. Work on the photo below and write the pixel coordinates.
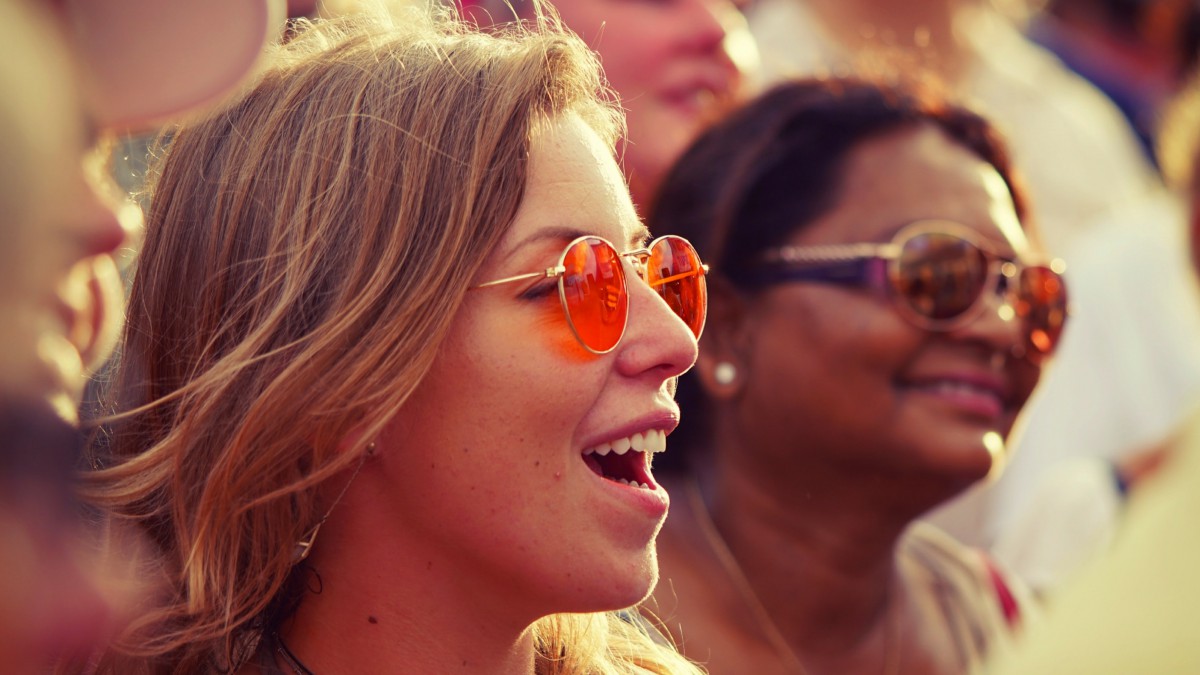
(60, 294)
(1127, 374)
(1137, 52)
(676, 66)
(880, 313)
(1080, 158)
(1125, 377)
(1133, 611)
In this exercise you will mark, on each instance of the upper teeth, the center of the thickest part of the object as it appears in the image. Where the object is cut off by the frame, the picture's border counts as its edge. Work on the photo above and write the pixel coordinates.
(650, 441)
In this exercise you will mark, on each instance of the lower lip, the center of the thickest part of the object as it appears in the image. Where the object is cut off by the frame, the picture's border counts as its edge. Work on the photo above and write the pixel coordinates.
(653, 502)
(986, 407)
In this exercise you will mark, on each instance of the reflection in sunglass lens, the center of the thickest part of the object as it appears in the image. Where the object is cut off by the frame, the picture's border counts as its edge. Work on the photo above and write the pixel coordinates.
(594, 293)
(940, 276)
(674, 271)
(1042, 305)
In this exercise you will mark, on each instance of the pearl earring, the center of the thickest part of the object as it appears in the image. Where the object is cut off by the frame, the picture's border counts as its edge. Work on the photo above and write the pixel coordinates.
(724, 373)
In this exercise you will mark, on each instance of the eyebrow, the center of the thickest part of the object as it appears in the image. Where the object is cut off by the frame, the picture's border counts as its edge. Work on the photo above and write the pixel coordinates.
(563, 233)
(641, 236)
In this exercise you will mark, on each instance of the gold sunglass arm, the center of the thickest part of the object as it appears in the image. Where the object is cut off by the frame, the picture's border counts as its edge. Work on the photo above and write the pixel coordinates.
(549, 273)
(683, 275)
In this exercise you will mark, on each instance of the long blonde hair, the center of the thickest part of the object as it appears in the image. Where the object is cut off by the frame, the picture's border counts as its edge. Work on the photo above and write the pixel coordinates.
(307, 248)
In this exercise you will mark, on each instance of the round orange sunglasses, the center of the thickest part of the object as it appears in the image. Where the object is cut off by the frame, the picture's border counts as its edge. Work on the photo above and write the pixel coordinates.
(594, 295)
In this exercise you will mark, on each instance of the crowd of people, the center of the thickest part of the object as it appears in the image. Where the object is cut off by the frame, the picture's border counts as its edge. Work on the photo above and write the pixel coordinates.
(591, 337)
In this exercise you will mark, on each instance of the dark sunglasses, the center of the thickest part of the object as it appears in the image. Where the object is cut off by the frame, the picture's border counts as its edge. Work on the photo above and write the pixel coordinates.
(938, 273)
(594, 296)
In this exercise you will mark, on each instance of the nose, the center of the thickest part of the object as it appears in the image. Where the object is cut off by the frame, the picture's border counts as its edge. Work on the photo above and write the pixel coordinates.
(99, 228)
(657, 343)
(91, 219)
(717, 31)
(706, 24)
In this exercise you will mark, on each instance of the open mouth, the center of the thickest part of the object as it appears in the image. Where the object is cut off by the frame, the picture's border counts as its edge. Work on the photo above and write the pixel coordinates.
(627, 460)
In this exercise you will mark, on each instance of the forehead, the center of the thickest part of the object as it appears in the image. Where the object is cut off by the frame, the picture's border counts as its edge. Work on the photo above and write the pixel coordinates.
(573, 185)
(915, 174)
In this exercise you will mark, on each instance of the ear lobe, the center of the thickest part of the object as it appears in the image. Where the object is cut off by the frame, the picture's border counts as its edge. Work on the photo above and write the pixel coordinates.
(356, 439)
(723, 366)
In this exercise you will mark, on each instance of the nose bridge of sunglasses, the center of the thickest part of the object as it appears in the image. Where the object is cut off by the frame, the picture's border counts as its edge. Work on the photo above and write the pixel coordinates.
(638, 259)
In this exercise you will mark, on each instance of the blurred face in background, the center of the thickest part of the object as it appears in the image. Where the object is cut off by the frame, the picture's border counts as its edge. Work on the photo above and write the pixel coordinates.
(60, 297)
(676, 64)
(58, 283)
(884, 393)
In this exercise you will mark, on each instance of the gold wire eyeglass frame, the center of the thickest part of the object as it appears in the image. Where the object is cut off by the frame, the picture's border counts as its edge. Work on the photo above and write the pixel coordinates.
(637, 258)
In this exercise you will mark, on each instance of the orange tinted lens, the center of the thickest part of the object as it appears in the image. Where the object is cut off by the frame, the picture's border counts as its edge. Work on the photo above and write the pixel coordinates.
(594, 295)
(675, 272)
(940, 276)
(1042, 305)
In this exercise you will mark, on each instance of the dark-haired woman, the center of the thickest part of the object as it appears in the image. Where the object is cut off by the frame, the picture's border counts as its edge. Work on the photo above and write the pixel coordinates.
(879, 316)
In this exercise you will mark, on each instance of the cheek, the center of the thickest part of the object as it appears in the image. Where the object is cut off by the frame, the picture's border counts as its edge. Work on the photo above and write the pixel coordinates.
(547, 328)
(832, 353)
(1025, 376)
(843, 335)
(506, 389)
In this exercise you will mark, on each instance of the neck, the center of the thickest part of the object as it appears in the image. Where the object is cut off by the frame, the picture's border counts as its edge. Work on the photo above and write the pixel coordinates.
(327, 639)
(825, 577)
(405, 612)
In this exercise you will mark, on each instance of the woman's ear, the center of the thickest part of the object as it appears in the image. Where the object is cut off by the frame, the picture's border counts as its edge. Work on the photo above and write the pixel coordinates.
(723, 364)
(357, 437)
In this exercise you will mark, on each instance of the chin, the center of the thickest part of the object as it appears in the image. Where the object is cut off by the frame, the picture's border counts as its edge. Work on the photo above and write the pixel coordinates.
(619, 589)
(963, 459)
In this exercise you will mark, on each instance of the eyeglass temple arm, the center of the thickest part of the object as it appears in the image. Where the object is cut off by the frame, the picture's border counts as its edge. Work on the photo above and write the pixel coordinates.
(682, 275)
(846, 264)
(640, 255)
(802, 255)
(548, 273)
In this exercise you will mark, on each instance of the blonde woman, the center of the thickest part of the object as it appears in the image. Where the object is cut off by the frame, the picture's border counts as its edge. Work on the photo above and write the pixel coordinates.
(390, 382)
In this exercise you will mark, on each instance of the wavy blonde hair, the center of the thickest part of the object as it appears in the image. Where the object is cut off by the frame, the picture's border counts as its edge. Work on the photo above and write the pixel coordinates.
(307, 248)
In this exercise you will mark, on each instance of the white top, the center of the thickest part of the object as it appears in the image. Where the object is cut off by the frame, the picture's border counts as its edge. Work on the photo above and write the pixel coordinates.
(1078, 154)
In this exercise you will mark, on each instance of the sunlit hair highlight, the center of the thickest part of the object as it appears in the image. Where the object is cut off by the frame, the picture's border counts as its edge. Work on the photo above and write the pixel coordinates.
(307, 248)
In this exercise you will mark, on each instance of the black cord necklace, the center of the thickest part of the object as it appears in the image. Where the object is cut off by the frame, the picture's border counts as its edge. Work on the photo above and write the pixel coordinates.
(289, 658)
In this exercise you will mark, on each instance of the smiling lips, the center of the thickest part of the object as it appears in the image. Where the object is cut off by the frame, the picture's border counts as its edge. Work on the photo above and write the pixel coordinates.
(626, 460)
(982, 397)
